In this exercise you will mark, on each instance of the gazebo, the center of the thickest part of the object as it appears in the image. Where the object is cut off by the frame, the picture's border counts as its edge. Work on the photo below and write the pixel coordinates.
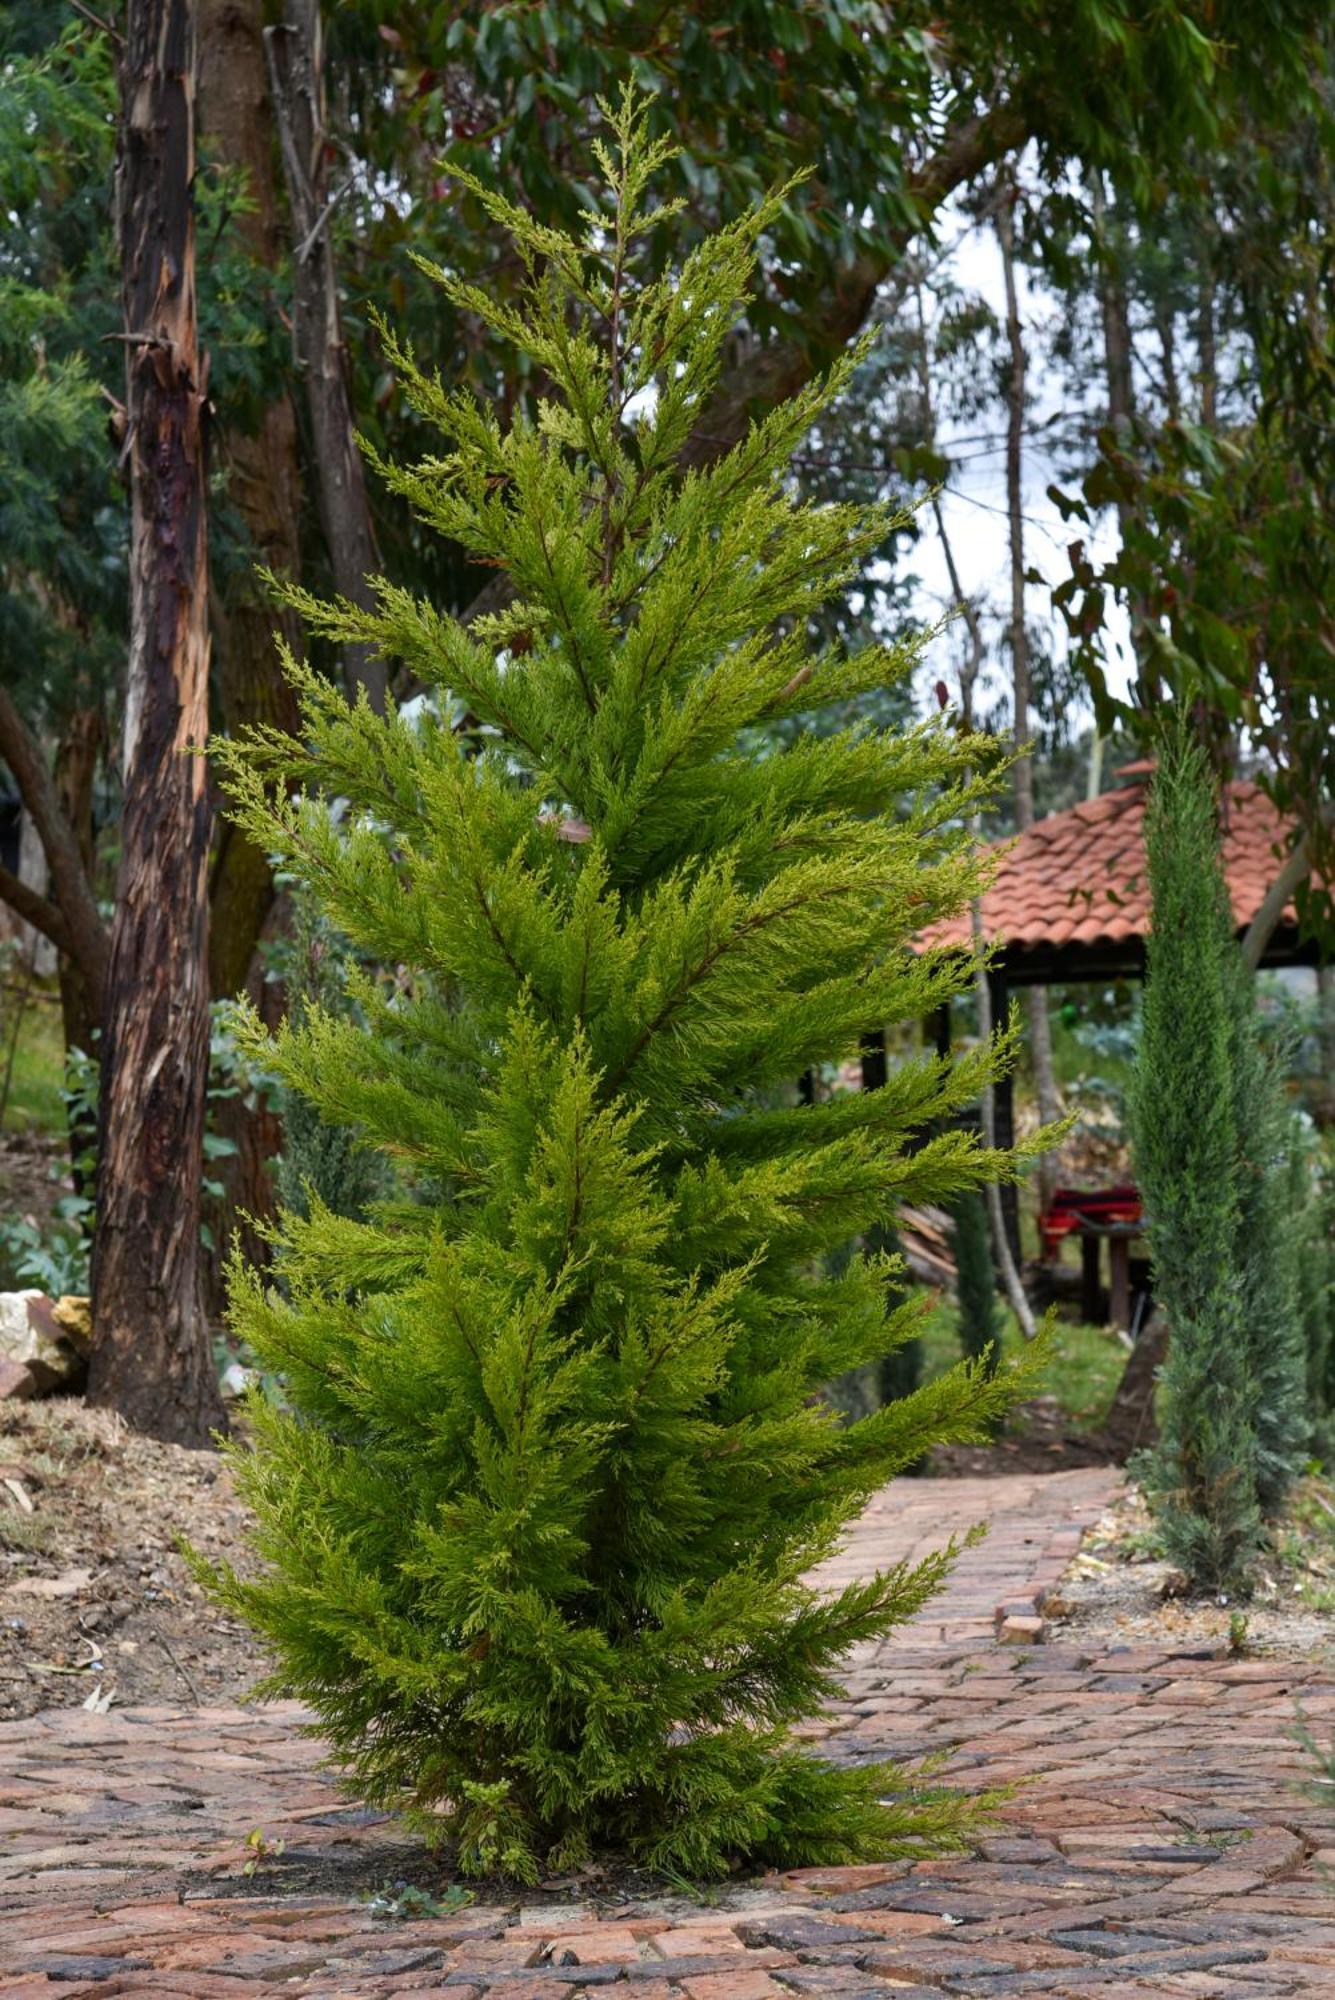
(1070, 904)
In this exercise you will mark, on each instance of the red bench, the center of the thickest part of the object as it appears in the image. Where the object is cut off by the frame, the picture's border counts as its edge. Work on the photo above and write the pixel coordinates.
(1073, 1206)
(1096, 1215)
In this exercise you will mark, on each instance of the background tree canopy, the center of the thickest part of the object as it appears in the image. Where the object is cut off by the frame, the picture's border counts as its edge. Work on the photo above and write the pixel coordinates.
(1160, 176)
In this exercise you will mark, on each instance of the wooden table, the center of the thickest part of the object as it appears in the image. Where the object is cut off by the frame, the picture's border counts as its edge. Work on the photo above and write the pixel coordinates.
(1119, 1237)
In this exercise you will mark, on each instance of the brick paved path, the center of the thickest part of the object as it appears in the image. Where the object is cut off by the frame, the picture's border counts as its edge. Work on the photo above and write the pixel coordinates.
(1159, 1847)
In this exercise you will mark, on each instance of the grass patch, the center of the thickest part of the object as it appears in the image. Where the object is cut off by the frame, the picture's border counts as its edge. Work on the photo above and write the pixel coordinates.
(35, 1102)
(1086, 1368)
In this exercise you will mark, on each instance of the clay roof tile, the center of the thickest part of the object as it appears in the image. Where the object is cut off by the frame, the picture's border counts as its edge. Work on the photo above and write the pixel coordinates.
(1079, 876)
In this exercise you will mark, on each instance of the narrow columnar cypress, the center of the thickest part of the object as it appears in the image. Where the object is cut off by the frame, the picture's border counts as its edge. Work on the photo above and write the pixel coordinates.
(1264, 1244)
(975, 1281)
(1201, 1480)
(535, 1516)
(1312, 1253)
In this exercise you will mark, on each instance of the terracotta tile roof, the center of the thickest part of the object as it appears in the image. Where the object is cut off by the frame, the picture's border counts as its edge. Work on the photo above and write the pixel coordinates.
(1078, 877)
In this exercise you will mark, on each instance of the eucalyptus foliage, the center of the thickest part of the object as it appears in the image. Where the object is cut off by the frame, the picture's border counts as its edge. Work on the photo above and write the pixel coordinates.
(535, 1525)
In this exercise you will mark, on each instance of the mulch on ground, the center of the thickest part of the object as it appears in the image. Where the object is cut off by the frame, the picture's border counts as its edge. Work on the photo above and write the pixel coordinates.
(94, 1595)
(1121, 1590)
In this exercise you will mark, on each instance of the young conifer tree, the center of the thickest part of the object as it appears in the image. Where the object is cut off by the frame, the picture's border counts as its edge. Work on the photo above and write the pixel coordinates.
(535, 1522)
(976, 1285)
(1267, 1227)
(1201, 1480)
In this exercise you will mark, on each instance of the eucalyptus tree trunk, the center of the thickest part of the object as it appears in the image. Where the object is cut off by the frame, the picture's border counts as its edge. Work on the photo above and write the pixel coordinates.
(1036, 998)
(152, 1358)
(80, 1004)
(296, 55)
(261, 464)
(970, 670)
(1119, 374)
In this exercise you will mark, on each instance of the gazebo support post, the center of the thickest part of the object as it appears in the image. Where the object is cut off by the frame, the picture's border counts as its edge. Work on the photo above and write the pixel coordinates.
(1003, 1117)
(1091, 1289)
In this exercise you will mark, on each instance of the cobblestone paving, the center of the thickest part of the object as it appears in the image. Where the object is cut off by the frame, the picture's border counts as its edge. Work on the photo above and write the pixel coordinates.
(1156, 1843)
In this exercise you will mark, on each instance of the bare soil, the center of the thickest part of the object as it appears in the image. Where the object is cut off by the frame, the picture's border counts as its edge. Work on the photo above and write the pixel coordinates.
(1119, 1591)
(95, 1600)
(1038, 1437)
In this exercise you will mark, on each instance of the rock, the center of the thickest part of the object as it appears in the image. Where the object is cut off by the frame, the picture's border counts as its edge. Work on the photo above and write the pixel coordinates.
(44, 1344)
(16, 1381)
(1022, 1631)
(74, 1316)
(236, 1379)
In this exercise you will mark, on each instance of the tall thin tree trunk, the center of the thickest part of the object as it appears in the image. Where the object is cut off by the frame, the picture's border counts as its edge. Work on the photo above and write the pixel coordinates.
(1206, 345)
(263, 473)
(1167, 331)
(152, 1359)
(262, 466)
(38, 951)
(1036, 999)
(1118, 361)
(75, 776)
(296, 51)
(969, 673)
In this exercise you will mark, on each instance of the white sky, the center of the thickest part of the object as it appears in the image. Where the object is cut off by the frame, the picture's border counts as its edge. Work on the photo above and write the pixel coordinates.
(974, 502)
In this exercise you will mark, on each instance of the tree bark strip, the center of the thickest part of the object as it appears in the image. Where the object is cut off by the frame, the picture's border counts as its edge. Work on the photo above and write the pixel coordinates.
(1036, 999)
(69, 915)
(1119, 369)
(152, 1359)
(80, 1009)
(296, 51)
(263, 473)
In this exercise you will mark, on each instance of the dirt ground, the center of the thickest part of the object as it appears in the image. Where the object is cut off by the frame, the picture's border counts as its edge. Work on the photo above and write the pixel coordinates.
(1038, 1438)
(95, 1601)
(97, 1606)
(1120, 1592)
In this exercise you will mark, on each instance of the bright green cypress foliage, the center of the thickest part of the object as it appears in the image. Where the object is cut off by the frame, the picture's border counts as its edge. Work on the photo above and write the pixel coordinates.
(1264, 1244)
(976, 1284)
(320, 1159)
(534, 1527)
(1201, 1480)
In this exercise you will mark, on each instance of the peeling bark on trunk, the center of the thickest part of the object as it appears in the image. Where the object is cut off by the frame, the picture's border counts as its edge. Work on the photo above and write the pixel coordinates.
(297, 67)
(152, 1358)
(263, 474)
(1036, 1000)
